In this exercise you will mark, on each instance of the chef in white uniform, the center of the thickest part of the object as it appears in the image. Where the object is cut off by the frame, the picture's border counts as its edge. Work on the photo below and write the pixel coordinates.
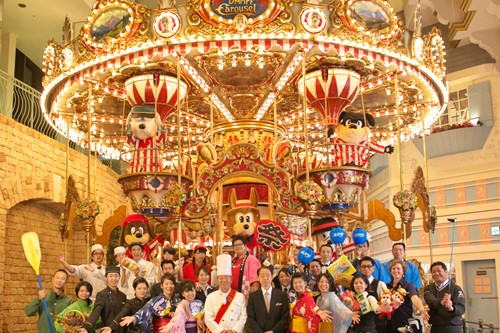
(225, 309)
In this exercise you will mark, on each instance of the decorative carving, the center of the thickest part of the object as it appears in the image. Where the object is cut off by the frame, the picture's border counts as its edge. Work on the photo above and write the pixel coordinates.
(341, 186)
(156, 193)
(211, 18)
(428, 212)
(243, 159)
(67, 218)
(377, 211)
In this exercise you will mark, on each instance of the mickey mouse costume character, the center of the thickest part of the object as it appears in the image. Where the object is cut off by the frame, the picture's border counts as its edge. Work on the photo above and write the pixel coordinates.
(350, 146)
(136, 228)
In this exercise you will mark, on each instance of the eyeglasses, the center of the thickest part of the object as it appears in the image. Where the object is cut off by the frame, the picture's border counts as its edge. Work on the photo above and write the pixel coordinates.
(238, 244)
(366, 266)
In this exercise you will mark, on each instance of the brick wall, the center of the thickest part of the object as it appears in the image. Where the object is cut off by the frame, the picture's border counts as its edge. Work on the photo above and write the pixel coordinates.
(32, 195)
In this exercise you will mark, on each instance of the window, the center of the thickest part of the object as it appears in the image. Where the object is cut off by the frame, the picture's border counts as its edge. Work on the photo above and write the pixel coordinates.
(457, 112)
(458, 107)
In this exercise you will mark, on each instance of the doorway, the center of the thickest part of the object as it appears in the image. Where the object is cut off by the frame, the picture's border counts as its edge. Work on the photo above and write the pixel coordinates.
(481, 291)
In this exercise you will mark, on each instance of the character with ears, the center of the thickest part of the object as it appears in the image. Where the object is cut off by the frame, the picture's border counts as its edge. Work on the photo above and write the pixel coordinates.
(385, 304)
(243, 216)
(136, 228)
(145, 134)
(398, 297)
(351, 144)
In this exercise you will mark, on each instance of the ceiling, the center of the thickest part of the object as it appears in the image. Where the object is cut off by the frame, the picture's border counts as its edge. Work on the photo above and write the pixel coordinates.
(39, 21)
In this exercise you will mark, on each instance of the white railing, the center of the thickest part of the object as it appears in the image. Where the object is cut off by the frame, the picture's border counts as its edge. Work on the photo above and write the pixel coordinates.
(21, 102)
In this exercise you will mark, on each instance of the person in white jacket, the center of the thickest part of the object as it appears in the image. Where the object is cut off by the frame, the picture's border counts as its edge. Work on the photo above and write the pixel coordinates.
(92, 273)
(225, 310)
(145, 270)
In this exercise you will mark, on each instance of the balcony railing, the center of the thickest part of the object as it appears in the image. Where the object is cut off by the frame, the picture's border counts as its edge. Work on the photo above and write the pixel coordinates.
(22, 103)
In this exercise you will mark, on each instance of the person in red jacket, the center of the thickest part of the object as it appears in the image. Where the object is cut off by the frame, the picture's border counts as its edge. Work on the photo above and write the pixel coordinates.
(199, 260)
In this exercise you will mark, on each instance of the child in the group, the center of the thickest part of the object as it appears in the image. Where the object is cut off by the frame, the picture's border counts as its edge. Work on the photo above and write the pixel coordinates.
(368, 305)
(184, 320)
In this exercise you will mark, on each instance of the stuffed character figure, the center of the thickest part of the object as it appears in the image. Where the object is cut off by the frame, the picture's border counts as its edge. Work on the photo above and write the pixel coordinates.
(136, 228)
(398, 297)
(385, 304)
(145, 134)
(321, 235)
(350, 140)
(243, 216)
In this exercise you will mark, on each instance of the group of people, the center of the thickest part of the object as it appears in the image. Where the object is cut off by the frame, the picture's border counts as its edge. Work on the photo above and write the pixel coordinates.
(179, 297)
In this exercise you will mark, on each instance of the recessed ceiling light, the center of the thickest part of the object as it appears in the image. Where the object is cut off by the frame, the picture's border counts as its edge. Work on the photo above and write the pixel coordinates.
(22, 5)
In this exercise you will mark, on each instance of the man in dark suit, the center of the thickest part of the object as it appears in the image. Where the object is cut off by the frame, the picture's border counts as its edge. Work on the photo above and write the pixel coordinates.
(268, 309)
(108, 302)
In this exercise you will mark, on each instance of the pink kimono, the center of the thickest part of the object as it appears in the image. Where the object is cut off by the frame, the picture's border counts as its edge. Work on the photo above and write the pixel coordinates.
(183, 321)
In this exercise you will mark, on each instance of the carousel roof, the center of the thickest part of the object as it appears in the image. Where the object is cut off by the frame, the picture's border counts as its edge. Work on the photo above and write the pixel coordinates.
(211, 67)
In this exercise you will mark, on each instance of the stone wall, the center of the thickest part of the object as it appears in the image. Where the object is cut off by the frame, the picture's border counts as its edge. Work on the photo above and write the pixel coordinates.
(32, 196)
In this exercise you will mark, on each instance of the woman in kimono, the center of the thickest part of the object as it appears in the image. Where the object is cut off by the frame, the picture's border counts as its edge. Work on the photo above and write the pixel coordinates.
(306, 316)
(184, 320)
(160, 308)
(141, 287)
(83, 304)
(328, 301)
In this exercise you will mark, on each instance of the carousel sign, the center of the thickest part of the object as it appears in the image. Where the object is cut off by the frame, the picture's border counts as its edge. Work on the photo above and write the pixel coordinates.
(228, 9)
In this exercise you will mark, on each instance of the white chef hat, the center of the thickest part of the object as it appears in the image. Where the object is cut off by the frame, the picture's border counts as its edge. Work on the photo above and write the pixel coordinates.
(224, 265)
(96, 247)
(119, 249)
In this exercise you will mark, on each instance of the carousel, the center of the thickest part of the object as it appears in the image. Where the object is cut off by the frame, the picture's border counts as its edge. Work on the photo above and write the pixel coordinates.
(249, 117)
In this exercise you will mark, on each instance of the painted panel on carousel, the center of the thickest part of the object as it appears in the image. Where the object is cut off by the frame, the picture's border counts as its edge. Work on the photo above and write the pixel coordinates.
(313, 20)
(112, 23)
(167, 24)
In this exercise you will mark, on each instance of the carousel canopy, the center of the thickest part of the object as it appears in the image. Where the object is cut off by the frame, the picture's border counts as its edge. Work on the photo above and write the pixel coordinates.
(232, 71)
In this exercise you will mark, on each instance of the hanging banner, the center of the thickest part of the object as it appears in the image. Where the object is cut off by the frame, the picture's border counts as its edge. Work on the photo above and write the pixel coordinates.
(272, 235)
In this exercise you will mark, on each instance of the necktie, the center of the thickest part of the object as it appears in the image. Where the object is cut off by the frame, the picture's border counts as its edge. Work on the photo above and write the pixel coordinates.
(267, 299)
(285, 290)
(98, 267)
